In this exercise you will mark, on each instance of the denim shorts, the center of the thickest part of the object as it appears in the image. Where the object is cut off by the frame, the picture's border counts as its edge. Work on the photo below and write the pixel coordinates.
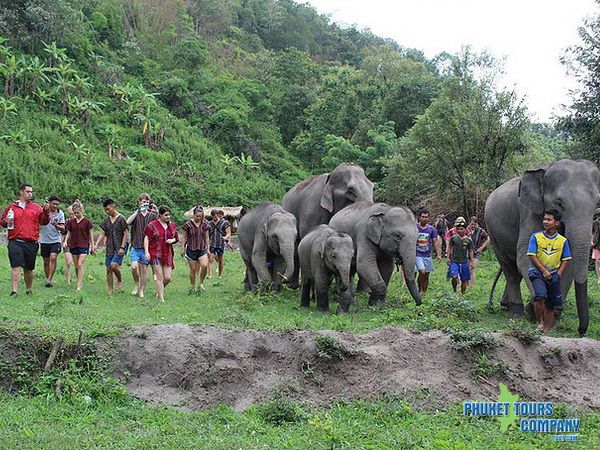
(217, 250)
(546, 290)
(461, 270)
(113, 258)
(79, 251)
(424, 263)
(138, 255)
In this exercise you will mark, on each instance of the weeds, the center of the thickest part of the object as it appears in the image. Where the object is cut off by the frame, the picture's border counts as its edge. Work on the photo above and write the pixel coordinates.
(484, 367)
(523, 331)
(330, 348)
(281, 410)
(473, 340)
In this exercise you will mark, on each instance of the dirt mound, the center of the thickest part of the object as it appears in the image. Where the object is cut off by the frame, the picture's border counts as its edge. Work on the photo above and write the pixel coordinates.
(200, 366)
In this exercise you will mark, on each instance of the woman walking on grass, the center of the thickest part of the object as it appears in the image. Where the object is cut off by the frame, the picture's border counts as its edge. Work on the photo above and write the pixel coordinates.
(66, 251)
(195, 245)
(159, 237)
(80, 240)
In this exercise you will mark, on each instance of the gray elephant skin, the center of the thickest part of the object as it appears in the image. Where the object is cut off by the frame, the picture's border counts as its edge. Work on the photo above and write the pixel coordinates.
(267, 233)
(380, 233)
(315, 200)
(326, 254)
(514, 211)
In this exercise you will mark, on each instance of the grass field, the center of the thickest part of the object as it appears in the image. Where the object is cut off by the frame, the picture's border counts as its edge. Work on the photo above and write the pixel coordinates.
(99, 414)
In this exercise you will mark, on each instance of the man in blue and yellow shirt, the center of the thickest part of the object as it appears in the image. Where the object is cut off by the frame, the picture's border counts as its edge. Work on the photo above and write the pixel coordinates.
(549, 253)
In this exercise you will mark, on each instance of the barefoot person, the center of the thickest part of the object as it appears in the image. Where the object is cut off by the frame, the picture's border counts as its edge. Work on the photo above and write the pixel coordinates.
(549, 253)
(114, 234)
(51, 239)
(80, 240)
(194, 246)
(160, 236)
(427, 238)
(460, 256)
(596, 243)
(65, 246)
(480, 240)
(23, 218)
(138, 221)
(220, 233)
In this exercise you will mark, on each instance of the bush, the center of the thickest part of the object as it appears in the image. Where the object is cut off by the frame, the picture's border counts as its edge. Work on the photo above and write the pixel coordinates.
(330, 348)
(282, 410)
(473, 340)
(523, 331)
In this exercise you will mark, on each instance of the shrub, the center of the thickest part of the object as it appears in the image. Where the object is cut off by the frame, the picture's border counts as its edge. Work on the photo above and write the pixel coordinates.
(523, 331)
(282, 410)
(330, 348)
(473, 340)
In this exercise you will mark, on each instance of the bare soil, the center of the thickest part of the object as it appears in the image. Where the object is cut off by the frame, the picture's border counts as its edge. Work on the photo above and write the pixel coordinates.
(194, 367)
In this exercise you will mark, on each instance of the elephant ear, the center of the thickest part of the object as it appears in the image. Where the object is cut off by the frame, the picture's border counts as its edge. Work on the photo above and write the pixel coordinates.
(375, 228)
(531, 190)
(327, 196)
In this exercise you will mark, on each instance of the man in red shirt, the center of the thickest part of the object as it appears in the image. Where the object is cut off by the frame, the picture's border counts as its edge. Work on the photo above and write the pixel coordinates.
(23, 218)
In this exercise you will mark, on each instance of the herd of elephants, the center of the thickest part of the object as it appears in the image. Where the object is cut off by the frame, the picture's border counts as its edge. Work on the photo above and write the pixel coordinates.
(328, 227)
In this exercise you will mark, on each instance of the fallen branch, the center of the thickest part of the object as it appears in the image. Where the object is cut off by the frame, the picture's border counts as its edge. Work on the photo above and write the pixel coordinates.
(53, 353)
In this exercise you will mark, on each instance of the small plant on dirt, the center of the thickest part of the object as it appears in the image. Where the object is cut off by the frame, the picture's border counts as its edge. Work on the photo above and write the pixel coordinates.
(282, 410)
(557, 351)
(451, 306)
(330, 348)
(473, 340)
(484, 367)
(524, 332)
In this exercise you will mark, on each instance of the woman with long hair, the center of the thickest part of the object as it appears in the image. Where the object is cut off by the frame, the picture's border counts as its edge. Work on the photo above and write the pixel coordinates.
(195, 244)
(159, 237)
(80, 240)
(66, 251)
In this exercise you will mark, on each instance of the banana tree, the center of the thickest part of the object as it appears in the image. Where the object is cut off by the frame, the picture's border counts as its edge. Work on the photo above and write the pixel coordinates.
(247, 162)
(7, 108)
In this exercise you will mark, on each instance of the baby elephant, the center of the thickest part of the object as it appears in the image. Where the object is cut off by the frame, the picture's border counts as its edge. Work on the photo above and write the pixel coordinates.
(325, 253)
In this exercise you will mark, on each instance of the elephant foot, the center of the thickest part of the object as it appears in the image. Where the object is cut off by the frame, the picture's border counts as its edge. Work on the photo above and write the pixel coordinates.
(304, 305)
(343, 309)
(294, 285)
(376, 299)
(323, 310)
(515, 310)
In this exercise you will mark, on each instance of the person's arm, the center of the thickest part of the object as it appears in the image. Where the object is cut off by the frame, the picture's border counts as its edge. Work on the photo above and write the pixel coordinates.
(60, 227)
(132, 217)
(471, 256)
(45, 214)
(227, 232)
(563, 266)
(183, 240)
(92, 243)
(449, 251)
(207, 241)
(101, 238)
(3, 223)
(484, 245)
(147, 247)
(121, 251)
(538, 265)
(66, 240)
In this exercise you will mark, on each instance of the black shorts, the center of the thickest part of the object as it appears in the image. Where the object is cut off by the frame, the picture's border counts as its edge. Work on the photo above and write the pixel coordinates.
(46, 249)
(22, 253)
(194, 255)
(217, 250)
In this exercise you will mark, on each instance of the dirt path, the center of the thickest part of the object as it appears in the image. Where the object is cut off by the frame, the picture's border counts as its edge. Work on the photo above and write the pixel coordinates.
(199, 366)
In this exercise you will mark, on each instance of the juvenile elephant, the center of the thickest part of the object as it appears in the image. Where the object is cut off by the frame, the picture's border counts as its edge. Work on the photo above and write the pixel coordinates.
(315, 200)
(380, 233)
(267, 234)
(324, 254)
(514, 211)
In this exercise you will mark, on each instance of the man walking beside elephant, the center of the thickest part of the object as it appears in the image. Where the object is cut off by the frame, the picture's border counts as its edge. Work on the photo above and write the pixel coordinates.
(424, 262)
(549, 253)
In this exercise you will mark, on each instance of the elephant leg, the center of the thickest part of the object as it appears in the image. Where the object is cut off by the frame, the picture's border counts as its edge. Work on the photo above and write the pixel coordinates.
(362, 285)
(306, 291)
(513, 291)
(386, 268)
(566, 280)
(247, 276)
(294, 283)
(369, 271)
(322, 284)
(278, 269)
(252, 278)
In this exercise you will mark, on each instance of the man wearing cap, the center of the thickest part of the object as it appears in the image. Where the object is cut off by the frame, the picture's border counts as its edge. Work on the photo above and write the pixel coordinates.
(460, 256)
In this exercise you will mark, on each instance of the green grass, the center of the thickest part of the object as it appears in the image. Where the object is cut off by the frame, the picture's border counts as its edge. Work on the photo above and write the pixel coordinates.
(61, 311)
(98, 414)
(386, 423)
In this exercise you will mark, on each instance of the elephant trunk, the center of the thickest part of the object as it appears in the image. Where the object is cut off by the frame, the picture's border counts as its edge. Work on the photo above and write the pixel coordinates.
(287, 252)
(579, 240)
(344, 273)
(408, 266)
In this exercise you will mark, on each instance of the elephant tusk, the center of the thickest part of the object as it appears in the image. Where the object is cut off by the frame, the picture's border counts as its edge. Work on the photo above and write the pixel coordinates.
(283, 276)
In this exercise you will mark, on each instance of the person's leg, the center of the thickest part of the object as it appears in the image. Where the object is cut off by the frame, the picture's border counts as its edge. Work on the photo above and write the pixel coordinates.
(80, 268)
(47, 268)
(167, 272)
(68, 266)
(135, 273)
(455, 283)
(465, 276)
(193, 270)
(116, 270)
(157, 270)
(475, 264)
(15, 277)
(220, 262)
(30, 251)
(28, 279)
(53, 261)
(203, 267)
(211, 260)
(143, 268)
(539, 298)
(110, 279)
(463, 286)
(548, 318)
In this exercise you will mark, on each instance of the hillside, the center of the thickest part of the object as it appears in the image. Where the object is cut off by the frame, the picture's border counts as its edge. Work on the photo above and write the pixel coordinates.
(233, 102)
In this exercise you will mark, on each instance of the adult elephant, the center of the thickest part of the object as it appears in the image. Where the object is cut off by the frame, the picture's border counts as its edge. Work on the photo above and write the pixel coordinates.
(315, 200)
(267, 236)
(380, 233)
(514, 211)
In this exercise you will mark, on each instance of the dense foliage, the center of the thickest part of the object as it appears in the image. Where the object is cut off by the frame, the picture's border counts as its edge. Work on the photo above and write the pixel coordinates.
(234, 101)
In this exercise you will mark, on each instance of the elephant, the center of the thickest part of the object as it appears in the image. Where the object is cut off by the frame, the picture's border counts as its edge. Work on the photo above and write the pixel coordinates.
(514, 211)
(380, 233)
(325, 253)
(267, 234)
(315, 200)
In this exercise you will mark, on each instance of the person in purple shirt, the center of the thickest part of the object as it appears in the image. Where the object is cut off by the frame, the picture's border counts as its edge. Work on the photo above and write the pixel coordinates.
(426, 238)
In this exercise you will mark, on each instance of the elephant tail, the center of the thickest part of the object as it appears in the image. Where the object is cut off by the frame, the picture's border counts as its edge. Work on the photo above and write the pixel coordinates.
(496, 278)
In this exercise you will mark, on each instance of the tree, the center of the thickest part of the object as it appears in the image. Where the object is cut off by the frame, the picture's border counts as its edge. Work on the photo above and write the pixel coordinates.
(583, 62)
(464, 142)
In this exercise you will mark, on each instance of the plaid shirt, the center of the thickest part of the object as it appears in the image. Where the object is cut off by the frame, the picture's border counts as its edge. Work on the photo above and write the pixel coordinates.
(217, 233)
